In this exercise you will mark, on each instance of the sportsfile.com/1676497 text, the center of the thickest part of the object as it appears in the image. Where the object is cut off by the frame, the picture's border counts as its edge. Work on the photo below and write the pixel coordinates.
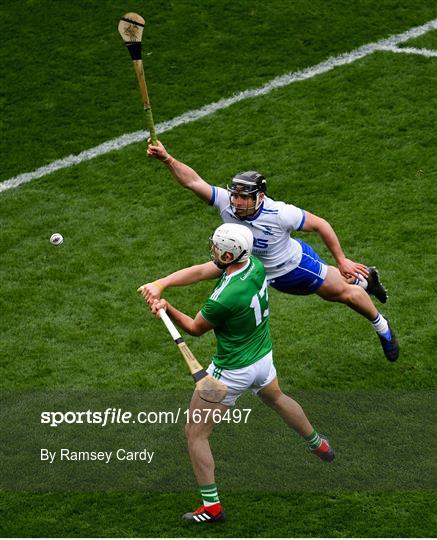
(112, 415)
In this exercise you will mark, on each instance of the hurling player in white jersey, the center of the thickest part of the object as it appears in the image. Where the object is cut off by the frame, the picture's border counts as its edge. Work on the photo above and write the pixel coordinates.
(292, 266)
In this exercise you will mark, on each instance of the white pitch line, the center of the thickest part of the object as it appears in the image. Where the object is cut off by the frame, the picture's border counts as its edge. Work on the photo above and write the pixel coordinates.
(192, 116)
(412, 50)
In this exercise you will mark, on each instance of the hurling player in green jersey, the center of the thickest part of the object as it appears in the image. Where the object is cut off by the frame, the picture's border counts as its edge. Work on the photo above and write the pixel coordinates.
(238, 313)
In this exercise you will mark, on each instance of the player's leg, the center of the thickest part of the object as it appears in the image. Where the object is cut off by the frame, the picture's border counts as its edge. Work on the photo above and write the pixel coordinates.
(287, 408)
(313, 275)
(335, 289)
(197, 430)
(294, 416)
(266, 386)
(311, 272)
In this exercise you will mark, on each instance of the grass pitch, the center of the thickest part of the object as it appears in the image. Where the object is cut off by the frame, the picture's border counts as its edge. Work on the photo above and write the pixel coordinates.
(355, 145)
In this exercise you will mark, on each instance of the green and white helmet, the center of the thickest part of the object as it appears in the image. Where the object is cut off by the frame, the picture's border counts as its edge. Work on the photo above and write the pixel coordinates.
(231, 238)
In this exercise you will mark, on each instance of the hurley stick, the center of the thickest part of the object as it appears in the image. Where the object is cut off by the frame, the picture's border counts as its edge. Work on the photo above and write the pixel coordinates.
(209, 389)
(131, 28)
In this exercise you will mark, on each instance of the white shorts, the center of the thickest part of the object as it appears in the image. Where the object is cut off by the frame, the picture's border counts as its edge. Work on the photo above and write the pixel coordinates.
(255, 377)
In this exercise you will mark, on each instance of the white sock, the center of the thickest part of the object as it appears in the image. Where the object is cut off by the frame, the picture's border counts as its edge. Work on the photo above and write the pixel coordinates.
(208, 503)
(361, 281)
(380, 325)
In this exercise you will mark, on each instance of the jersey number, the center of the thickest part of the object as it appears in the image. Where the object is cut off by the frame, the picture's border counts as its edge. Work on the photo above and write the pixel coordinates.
(260, 243)
(256, 304)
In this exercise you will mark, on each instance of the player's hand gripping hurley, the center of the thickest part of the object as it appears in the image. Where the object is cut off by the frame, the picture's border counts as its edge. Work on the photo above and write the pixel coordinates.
(131, 28)
(209, 389)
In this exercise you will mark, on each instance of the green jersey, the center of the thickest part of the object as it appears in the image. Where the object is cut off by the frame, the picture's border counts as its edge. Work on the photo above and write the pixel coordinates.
(238, 308)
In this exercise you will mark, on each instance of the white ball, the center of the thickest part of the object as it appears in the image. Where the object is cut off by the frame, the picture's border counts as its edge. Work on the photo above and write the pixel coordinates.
(56, 239)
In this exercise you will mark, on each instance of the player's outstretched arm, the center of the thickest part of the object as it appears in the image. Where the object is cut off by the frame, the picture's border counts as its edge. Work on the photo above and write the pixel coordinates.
(319, 225)
(185, 175)
(186, 276)
(195, 327)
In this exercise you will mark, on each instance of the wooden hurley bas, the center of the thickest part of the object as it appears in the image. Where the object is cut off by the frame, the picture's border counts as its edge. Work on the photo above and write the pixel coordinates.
(131, 28)
(209, 389)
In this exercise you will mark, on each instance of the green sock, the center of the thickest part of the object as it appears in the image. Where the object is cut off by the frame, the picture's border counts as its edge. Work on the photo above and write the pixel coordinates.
(313, 440)
(209, 494)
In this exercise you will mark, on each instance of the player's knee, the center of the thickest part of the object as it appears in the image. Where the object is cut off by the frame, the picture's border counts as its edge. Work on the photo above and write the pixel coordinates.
(334, 289)
(271, 397)
(197, 430)
(352, 294)
(191, 432)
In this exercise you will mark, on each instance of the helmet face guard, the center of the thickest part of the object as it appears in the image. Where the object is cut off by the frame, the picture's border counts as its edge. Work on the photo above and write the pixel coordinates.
(217, 256)
(249, 185)
(236, 240)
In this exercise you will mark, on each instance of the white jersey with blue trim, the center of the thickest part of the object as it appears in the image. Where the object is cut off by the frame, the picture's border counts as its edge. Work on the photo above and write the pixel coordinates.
(271, 227)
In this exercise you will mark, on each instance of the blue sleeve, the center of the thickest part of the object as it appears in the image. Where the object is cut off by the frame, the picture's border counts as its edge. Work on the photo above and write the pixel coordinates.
(213, 196)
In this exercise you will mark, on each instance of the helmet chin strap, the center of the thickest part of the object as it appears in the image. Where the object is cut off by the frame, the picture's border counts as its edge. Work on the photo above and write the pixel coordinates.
(223, 265)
